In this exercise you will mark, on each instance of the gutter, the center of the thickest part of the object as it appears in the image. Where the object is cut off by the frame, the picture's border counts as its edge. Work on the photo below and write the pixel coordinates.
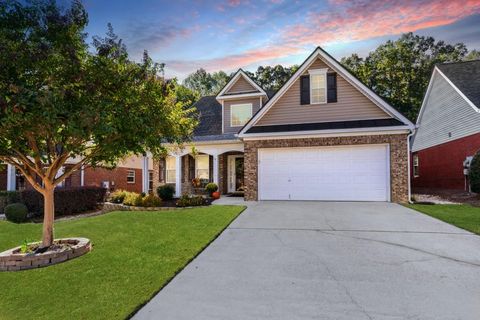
(409, 184)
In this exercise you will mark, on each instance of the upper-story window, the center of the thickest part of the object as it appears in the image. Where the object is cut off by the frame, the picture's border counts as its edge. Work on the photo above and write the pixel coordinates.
(240, 114)
(318, 86)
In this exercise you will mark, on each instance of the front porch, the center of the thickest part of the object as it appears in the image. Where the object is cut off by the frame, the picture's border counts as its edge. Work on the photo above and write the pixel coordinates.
(191, 171)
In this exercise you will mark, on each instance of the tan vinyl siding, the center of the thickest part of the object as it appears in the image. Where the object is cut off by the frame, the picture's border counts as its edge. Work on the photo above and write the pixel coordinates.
(446, 116)
(226, 111)
(241, 85)
(351, 105)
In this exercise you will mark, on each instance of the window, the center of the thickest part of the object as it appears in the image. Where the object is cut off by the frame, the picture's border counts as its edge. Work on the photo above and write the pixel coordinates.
(240, 114)
(416, 172)
(318, 86)
(170, 170)
(150, 181)
(202, 167)
(131, 176)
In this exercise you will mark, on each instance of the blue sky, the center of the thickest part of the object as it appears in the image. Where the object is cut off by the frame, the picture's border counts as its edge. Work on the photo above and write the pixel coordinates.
(227, 35)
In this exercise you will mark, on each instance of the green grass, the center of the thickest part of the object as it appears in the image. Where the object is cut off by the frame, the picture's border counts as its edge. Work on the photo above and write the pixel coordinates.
(463, 216)
(134, 255)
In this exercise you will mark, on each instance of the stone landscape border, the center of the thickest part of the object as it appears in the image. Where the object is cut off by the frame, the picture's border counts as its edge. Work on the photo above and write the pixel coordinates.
(12, 260)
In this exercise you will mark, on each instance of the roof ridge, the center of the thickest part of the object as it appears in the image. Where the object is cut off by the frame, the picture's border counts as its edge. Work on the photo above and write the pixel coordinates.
(456, 62)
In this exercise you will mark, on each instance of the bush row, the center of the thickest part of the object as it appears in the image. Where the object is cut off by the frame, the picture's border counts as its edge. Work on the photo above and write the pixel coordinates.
(135, 199)
(67, 200)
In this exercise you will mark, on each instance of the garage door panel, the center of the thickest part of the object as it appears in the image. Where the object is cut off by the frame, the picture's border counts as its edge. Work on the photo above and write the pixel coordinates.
(350, 173)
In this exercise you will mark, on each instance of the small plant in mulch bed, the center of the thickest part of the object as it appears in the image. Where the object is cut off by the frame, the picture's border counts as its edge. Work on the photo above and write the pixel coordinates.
(191, 201)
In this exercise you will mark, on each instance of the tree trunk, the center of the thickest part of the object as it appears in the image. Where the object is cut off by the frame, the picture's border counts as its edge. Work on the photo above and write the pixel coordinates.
(48, 216)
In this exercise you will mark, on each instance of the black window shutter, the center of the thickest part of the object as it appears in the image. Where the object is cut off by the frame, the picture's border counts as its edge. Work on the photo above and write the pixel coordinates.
(210, 169)
(331, 87)
(305, 90)
(191, 167)
(162, 168)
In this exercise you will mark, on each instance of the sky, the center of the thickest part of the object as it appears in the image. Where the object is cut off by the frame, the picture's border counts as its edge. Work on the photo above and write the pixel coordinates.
(231, 34)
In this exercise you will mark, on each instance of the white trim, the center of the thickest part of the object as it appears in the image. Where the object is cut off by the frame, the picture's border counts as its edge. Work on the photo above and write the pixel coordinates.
(409, 152)
(318, 72)
(250, 105)
(241, 96)
(223, 117)
(339, 69)
(239, 73)
(11, 178)
(458, 90)
(333, 132)
(178, 175)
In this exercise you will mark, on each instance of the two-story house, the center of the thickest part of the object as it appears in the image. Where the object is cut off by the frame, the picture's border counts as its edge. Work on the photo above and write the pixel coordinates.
(323, 136)
(448, 128)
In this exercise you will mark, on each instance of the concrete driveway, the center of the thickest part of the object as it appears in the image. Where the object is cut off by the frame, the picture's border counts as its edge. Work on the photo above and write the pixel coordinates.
(326, 260)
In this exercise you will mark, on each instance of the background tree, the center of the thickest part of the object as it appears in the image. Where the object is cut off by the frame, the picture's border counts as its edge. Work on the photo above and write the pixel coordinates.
(473, 55)
(59, 101)
(399, 70)
(273, 78)
(204, 83)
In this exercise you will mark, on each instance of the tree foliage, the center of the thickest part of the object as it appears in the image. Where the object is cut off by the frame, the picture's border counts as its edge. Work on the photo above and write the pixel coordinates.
(400, 70)
(204, 83)
(59, 101)
(474, 173)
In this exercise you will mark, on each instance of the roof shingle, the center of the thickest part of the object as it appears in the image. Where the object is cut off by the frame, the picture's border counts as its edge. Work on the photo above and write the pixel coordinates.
(466, 77)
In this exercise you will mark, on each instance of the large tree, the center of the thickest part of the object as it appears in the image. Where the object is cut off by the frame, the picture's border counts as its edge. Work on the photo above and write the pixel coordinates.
(59, 100)
(205, 83)
(399, 70)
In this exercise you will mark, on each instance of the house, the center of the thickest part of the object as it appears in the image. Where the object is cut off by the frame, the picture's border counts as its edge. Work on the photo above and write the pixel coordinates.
(323, 136)
(131, 174)
(448, 130)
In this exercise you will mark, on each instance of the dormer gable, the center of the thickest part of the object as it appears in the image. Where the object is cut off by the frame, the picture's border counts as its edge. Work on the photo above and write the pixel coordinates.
(241, 86)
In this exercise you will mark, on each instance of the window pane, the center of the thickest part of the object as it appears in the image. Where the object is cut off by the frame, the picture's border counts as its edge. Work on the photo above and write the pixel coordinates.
(317, 88)
(202, 167)
(241, 113)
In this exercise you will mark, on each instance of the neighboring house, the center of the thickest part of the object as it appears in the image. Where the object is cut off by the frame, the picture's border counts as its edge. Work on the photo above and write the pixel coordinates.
(132, 174)
(448, 127)
(323, 136)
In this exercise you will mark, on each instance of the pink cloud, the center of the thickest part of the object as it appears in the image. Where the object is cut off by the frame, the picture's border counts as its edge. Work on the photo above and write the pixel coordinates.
(233, 62)
(360, 20)
(344, 21)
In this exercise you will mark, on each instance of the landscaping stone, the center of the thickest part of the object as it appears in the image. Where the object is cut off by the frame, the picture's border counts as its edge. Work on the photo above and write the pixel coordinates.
(12, 260)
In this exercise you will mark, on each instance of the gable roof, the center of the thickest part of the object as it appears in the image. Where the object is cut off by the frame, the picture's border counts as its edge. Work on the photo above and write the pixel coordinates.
(463, 76)
(466, 77)
(334, 64)
(240, 73)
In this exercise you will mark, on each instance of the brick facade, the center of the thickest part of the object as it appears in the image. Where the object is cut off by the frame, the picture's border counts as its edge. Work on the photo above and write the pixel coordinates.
(398, 159)
(116, 177)
(438, 171)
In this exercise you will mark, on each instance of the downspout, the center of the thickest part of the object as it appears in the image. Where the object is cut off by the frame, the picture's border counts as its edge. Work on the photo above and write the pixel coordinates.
(409, 167)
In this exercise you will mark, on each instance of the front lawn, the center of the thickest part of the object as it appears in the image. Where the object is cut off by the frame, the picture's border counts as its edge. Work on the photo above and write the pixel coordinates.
(463, 216)
(134, 255)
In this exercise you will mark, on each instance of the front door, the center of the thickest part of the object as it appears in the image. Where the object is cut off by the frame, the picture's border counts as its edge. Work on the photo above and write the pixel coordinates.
(235, 173)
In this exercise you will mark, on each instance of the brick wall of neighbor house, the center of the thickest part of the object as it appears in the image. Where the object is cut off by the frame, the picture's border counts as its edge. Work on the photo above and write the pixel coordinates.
(95, 177)
(3, 177)
(441, 166)
(398, 158)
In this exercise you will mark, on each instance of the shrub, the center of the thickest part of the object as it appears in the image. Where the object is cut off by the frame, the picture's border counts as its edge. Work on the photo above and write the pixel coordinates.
(211, 188)
(67, 200)
(118, 196)
(166, 192)
(151, 200)
(133, 199)
(191, 201)
(474, 173)
(16, 212)
(8, 197)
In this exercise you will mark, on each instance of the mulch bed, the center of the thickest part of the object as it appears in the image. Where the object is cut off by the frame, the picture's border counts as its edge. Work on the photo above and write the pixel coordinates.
(457, 196)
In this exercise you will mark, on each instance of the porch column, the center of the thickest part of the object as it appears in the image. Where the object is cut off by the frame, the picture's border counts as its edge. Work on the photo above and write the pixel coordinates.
(215, 169)
(82, 176)
(61, 170)
(145, 174)
(178, 175)
(11, 178)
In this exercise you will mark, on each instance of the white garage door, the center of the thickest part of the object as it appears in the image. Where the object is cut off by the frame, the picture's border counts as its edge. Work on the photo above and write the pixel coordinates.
(350, 173)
